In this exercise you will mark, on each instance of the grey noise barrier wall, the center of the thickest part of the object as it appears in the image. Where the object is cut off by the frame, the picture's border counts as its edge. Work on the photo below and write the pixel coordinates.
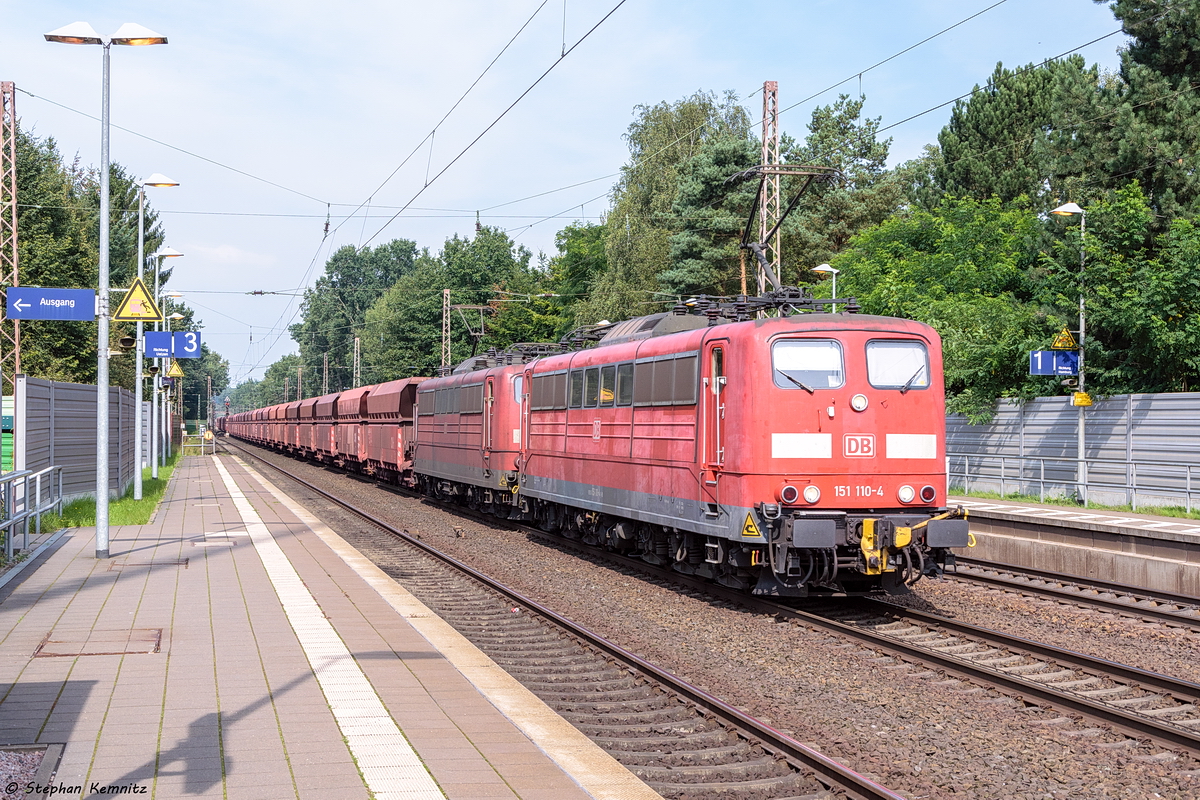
(1141, 450)
(55, 424)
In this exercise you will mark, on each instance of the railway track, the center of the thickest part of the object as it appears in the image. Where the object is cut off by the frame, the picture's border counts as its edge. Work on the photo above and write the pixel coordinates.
(1174, 610)
(677, 738)
(1136, 703)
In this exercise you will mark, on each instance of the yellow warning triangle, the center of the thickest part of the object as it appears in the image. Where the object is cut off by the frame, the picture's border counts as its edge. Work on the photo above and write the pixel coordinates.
(750, 529)
(175, 371)
(1064, 341)
(137, 305)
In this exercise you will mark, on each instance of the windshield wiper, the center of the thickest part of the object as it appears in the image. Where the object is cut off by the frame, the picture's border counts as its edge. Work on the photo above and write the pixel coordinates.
(803, 386)
(909, 384)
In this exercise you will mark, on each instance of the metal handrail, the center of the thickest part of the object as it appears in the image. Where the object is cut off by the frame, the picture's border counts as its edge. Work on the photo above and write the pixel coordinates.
(198, 440)
(1085, 486)
(18, 504)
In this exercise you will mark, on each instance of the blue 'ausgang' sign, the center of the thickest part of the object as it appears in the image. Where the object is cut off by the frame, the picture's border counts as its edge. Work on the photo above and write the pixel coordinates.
(30, 302)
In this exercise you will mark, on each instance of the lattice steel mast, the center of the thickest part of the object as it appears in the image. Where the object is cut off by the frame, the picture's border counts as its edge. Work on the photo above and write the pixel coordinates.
(10, 329)
(770, 200)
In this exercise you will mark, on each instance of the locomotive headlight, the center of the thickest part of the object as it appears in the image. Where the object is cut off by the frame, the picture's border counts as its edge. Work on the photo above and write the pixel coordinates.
(789, 494)
(906, 493)
(859, 402)
(811, 494)
(928, 493)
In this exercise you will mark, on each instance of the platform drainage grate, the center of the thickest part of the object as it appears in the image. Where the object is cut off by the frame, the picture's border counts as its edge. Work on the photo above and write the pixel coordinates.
(100, 643)
(120, 565)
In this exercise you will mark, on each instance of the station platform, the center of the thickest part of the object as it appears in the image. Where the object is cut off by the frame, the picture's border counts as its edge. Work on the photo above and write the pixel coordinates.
(1136, 549)
(237, 648)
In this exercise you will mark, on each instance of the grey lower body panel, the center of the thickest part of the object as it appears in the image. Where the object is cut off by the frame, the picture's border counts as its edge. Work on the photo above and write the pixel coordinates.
(653, 509)
(476, 476)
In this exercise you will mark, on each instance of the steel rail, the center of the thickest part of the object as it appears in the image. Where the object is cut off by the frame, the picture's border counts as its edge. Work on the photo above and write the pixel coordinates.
(825, 769)
(1082, 661)
(1180, 617)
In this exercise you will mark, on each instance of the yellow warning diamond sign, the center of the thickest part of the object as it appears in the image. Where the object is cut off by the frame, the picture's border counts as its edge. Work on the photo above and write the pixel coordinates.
(750, 529)
(1064, 341)
(175, 371)
(137, 305)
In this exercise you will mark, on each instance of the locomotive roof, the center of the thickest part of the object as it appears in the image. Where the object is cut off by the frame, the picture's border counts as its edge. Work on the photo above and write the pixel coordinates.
(652, 325)
(666, 323)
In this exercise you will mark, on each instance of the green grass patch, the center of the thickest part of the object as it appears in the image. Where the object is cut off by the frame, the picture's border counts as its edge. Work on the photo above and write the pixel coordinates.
(124, 511)
(1070, 502)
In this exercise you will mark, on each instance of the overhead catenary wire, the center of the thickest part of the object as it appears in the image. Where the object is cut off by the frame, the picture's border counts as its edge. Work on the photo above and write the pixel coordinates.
(205, 159)
(429, 136)
(461, 98)
(543, 219)
(494, 122)
(813, 96)
(845, 80)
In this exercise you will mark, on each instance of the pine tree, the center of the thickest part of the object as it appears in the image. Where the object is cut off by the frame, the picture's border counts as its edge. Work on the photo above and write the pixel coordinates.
(662, 139)
(993, 145)
(706, 255)
(1140, 124)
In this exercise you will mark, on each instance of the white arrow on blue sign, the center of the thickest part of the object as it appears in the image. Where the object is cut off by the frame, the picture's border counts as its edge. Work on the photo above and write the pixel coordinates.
(168, 344)
(1054, 362)
(30, 302)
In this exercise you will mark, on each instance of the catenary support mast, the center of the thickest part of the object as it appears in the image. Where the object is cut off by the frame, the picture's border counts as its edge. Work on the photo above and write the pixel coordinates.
(10, 329)
(770, 202)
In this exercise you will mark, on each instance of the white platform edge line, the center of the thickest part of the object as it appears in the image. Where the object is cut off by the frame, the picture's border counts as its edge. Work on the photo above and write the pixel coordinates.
(332, 663)
(594, 770)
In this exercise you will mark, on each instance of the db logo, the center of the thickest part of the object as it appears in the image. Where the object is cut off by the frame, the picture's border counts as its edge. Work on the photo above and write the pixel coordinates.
(859, 445)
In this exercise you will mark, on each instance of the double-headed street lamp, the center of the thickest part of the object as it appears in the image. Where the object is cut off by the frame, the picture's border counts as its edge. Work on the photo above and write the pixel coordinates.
(128, 34)
(1070, 210)
(156, 179)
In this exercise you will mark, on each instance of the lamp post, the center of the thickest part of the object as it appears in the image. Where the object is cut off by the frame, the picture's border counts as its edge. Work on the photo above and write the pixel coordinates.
(128, 34)
(167, 429)
(831, 271)
(156, 179)
(1067, 210)
(158, 425)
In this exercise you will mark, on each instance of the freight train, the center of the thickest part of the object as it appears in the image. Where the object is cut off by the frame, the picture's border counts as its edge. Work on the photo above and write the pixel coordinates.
(791, 455)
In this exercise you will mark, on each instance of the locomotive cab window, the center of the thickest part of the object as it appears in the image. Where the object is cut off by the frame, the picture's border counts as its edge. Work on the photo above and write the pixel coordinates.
(625, 385)
(807, 364)
(608, 385)
(576, 388)
(718, 369)
(591, 387)
(518, 383)
(898, 364)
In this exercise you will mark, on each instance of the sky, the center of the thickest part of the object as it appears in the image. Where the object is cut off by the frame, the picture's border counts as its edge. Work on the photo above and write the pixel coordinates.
(275, 116)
